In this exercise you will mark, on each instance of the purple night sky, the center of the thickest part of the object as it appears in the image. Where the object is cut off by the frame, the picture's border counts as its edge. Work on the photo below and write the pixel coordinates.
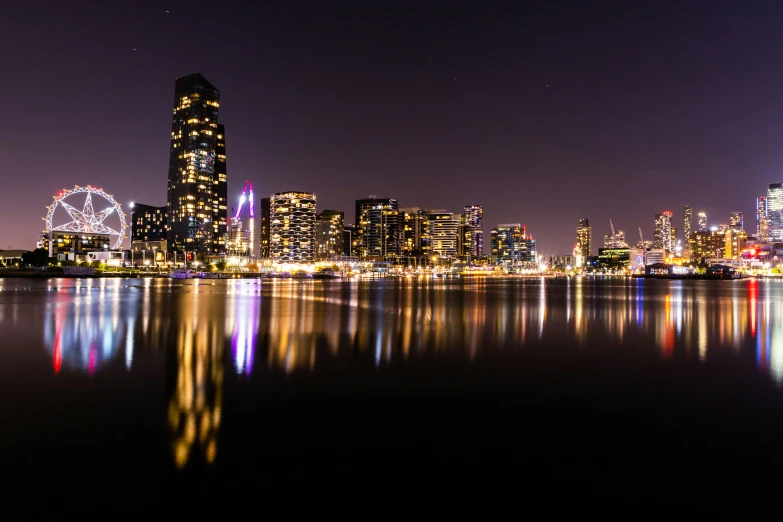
(543, 112)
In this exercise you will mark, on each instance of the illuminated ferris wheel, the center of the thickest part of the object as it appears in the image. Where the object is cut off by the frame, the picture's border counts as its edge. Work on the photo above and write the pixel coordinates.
(63, 216)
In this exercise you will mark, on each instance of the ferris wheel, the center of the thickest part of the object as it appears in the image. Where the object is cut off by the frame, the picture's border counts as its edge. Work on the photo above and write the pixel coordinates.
(86, 220)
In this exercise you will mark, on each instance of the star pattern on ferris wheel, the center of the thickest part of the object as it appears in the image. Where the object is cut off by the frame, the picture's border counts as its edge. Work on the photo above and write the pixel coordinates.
(87, 220)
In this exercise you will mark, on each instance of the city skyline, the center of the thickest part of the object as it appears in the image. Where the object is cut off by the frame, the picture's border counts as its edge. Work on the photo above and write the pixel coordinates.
(438, 128)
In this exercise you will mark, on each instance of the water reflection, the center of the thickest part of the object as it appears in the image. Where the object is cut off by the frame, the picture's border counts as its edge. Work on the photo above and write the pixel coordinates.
(295, 326)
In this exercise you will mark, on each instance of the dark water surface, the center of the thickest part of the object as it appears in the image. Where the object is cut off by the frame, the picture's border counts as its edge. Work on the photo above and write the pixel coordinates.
(193, 394)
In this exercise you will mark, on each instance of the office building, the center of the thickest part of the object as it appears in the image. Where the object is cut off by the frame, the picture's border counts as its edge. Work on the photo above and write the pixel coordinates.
(705, 244)
(443, 232)
(775, 212)
(662, 236)
(687, 222)
(614, 258)
(583, 238)
(415, 232)
(264, 218)
(616, 239)
(735, 243)
(379, 229)
(507, 243)
(148, 223)
(702, 221)
(329, 230)
(762, 226)
(292, 227)
(474, 217)
(736, 221)
(197, 183)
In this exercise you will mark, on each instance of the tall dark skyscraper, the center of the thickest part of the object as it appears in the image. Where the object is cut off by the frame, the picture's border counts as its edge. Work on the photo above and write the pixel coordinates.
(264, 218)
(197, 188)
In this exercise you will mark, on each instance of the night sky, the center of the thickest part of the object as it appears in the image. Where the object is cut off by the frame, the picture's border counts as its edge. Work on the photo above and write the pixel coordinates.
(543, 112)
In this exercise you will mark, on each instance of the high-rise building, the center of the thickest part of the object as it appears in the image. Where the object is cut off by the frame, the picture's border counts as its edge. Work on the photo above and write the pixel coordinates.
(735, 243)
(508, 245)
(220, 195)
(148, 223)
(292, 227)
(583, 238)
(687, 219)
(775, 212)
(264, 218)
(762, 226)
(662, 236)
(474, 216)
(415, 232)
(674, 238)
(443, 231)
(702, 221)
(379, 228)
(704, 244)
(329, 229)
(736, 221)
(197, 182)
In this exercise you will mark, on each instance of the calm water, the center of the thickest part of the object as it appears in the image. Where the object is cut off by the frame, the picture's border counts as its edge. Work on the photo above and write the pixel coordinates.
(218, 390)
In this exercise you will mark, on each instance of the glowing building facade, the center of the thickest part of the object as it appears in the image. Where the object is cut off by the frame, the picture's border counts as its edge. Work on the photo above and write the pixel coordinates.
(264, 218)
(148, 223)
(474, 217)
(292, 227)
(702, 221)
(508, 244)
(378, 229)
(197, 179)
(687, 222)
(329, 230)
(443, 231)
(736, 221)
(762, 226)
(584, 235)
(662, 236)
(775, 212)
(242, 229)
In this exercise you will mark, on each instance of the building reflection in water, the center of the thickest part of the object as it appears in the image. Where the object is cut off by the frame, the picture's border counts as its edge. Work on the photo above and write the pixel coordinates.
(296, 325)
(82, 327)
(384, 321)
(194, 412)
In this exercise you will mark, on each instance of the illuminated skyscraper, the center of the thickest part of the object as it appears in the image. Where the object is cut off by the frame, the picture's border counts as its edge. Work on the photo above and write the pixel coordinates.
(379, 228)
(197, 188)
(736, 221)
(474, 216)
(702, 221)
(584, 236)
(775, 212)
(662, 237)
(292, 227)
(443, 231)
(415, 232)
(687, 218)
(762, 226)
(329, 229)
(509, 244)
